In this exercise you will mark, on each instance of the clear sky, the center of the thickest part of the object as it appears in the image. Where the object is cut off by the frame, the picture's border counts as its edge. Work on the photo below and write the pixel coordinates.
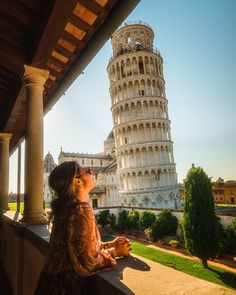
(197, 40)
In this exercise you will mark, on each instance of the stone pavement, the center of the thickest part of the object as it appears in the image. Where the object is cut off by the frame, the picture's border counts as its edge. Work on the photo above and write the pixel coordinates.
(140, 276)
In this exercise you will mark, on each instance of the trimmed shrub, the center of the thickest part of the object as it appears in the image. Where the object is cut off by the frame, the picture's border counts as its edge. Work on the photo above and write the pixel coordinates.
(230, 238)
(123, 220)
(103, 218)
(165, 224)
(112, 219)
(133, 218)
(147, 219)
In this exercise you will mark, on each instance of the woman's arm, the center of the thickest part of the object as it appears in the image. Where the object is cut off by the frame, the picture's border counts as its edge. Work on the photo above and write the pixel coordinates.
(85, 251)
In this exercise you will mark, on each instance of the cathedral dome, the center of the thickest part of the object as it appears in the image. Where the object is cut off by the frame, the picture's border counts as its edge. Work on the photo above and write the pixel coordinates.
(111, 135)
(49, 163)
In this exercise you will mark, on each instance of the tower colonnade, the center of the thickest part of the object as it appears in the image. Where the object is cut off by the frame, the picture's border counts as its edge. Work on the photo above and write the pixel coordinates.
(133, 64)
(142, 132)
(144, 149)
(136, 87)
(139, 107)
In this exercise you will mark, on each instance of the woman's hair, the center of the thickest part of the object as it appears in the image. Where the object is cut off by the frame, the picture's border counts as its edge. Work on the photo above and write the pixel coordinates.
(61, 183)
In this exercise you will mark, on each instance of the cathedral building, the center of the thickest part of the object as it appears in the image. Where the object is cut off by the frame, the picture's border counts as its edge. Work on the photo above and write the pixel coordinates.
(137, 165)
(103, 166)
(48, 165)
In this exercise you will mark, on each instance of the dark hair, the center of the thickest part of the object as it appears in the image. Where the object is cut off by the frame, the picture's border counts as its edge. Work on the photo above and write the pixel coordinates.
(61, 183)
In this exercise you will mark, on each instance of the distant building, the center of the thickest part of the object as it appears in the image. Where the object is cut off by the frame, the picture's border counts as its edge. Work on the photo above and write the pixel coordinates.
(223, 192)
(104, 167)
(230, 192)
(218, 194)
(49, 164)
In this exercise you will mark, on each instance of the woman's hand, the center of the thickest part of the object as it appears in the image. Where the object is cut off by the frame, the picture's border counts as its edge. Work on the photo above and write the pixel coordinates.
(121, 249)
(118, 241)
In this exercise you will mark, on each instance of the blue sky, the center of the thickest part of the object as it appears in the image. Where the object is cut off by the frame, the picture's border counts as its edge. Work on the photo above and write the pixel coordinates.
(197, 40)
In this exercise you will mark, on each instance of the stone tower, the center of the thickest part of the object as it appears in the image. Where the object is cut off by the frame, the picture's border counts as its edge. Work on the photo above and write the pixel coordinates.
(144, 149)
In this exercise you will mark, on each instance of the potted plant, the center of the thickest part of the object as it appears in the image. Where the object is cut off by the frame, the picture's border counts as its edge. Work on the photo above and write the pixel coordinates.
(174, 243)
(149, 234)
(161, 242)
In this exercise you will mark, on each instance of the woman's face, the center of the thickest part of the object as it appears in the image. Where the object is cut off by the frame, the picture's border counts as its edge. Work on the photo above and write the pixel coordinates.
(86, 179)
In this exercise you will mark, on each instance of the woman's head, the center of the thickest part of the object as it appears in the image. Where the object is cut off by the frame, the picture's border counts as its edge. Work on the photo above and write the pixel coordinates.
(61, 178)
(70, 183)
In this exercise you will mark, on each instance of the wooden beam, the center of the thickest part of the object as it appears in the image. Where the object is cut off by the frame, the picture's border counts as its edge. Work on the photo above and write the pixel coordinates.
(52, 31)
(13, 34)
(71, 39)
(53, 72)
(92, 6)
(11, 58)
(78, 22)
(63, 51)
(18, 12)
(56, 62)
(5, 72)
(5, 80)
(6, 88)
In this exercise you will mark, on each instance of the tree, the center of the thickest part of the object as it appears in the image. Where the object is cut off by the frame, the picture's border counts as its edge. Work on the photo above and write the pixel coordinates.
(200, 224)
(123, 220)
(133, 218)
(165, 224)
(103, 218)
(219, 182)
(147, 219)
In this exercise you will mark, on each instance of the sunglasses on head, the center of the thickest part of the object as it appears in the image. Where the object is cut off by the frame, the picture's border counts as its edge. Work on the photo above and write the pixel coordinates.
(83, 171)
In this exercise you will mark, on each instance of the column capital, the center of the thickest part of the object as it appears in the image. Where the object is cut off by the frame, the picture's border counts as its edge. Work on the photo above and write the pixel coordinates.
(34, 77)
(5, 136)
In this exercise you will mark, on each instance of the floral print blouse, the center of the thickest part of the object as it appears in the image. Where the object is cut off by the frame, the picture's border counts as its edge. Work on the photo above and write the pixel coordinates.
(75, 243)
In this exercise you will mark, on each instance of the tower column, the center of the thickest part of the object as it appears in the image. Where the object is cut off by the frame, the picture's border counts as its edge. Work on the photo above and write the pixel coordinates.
(4, 169)
(34, 80)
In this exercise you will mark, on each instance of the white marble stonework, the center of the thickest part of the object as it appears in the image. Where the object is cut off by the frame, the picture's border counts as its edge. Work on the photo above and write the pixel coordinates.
(143, 145)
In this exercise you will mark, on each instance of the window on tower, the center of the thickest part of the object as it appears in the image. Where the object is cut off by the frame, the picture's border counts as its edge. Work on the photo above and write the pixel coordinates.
(140, 65)
(141, 92)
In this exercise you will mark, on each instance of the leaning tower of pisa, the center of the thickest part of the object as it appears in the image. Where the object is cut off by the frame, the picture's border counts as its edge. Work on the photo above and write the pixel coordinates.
(144, 149)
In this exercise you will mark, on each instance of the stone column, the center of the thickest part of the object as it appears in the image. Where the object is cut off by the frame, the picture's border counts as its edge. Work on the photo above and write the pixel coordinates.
(4, 169)
(34, 80)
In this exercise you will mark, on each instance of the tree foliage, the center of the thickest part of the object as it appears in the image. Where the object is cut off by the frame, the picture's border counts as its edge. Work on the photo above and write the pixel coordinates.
(133, 218)
(147, 219)
(230, 238)
(165, 224)
(123, 220)
(104, 218)
(200, 224)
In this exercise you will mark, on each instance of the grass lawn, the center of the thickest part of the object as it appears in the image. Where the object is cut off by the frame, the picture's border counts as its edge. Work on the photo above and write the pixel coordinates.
(13, 206)
(194, 268)
(226, 205)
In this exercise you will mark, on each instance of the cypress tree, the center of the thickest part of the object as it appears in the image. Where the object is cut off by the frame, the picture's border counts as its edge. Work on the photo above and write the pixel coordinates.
(200, 221)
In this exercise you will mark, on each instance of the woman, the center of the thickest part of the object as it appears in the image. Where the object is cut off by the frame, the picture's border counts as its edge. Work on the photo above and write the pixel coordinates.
(75, 248)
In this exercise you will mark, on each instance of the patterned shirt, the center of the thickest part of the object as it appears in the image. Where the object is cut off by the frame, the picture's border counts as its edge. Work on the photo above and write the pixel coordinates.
(75, 243)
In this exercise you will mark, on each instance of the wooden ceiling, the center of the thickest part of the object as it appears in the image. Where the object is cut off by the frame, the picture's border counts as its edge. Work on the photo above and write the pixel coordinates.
(52, 35)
